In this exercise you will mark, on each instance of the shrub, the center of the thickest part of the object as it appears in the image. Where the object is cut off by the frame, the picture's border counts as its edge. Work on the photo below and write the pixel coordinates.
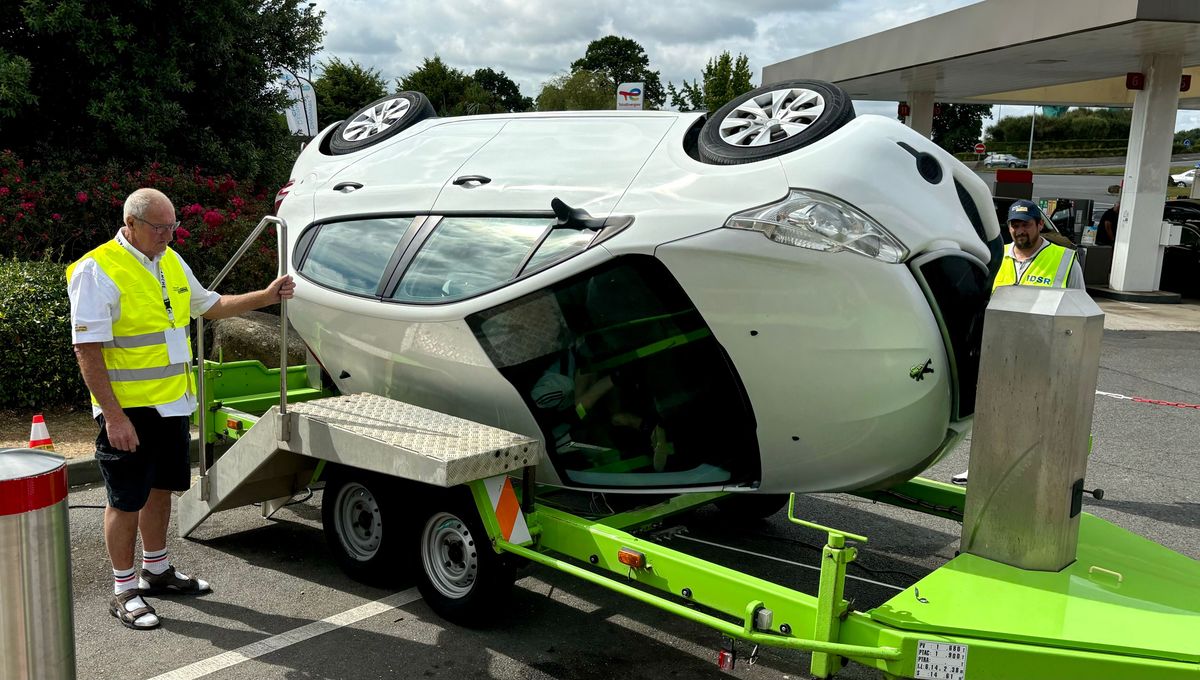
(37, 361)
(60, 213)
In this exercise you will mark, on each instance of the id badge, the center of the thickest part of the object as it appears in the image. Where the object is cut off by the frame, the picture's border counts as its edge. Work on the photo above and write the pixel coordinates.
(177, 345)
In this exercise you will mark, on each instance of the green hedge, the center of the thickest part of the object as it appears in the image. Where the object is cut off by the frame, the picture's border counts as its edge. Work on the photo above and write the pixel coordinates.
(37, 361)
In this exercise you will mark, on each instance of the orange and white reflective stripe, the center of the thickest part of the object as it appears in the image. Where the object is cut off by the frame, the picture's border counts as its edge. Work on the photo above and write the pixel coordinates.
(508, 510)
(39, 435)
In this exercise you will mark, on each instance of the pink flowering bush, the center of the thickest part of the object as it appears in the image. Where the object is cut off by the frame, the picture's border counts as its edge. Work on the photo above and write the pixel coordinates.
(60, 213)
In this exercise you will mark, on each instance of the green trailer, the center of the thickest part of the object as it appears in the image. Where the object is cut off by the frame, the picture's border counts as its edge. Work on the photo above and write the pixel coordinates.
(1124, 608)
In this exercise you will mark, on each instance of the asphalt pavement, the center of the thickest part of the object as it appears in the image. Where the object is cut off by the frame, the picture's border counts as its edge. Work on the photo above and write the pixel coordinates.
(282, 610)
(1093, 187)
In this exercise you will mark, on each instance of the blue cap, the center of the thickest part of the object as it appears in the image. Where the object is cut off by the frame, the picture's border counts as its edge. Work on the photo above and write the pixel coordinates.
(1024, 210)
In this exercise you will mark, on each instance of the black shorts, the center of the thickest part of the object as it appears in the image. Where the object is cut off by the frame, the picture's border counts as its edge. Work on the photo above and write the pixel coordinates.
(161, 460)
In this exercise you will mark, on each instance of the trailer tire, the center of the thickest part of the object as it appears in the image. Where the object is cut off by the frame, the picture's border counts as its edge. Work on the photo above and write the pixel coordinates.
(459, 575)
(359, 513)
(748, 507)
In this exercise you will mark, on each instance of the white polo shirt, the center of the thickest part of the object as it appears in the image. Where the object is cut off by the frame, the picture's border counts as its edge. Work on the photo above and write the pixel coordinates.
(96, 304)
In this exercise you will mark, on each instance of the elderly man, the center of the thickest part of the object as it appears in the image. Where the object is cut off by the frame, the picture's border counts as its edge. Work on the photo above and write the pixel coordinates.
(132, 300)
(1031, 260)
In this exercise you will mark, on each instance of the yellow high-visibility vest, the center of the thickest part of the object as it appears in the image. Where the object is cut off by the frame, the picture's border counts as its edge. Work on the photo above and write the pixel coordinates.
(1051, 268)
(136, 358)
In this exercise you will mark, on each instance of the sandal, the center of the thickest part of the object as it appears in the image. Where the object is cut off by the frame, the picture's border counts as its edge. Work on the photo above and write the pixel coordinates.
(129, 618)
(171, 582)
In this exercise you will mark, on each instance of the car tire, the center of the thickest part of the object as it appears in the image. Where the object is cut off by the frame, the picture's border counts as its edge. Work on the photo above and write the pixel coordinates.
(750, 507)
(459, 575)
(791, 114)
(1181, 184)
(363, 525)
(1012, 165)
(380, 120)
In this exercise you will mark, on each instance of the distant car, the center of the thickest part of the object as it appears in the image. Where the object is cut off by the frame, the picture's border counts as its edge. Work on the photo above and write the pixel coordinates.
(1184, 179)
(670, 301)
(1004, 160)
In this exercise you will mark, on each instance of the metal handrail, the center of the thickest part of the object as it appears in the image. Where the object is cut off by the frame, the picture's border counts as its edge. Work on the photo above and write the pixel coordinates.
(202, 411)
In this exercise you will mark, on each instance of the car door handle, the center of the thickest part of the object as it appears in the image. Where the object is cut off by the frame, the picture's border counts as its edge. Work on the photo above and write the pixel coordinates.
(471, 181)
(347, 187)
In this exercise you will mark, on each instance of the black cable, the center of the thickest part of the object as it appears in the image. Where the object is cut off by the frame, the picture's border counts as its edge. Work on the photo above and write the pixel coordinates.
(856, 563)
(87, 507)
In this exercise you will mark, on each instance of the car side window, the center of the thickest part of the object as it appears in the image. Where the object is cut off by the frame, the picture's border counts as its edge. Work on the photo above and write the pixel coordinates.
(467, 255)
(559, 245)
(352, 256)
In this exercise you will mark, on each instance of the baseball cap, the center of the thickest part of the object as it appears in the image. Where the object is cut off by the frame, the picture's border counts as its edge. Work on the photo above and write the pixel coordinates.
(1024, 210)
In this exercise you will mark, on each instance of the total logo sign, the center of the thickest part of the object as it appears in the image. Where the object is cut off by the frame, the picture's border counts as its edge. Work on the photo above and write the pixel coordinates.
(629, 96)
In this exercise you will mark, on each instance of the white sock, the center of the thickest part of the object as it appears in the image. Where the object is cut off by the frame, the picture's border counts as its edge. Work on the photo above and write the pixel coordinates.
(155, 561)
(126, 579)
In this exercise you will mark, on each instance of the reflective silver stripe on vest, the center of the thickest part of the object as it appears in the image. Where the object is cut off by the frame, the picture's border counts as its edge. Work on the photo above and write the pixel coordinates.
(142, 340)
(1064, 269)
(156, 373)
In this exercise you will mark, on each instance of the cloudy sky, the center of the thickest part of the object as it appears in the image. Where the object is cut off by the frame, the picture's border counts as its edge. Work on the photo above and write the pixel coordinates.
(533, 40)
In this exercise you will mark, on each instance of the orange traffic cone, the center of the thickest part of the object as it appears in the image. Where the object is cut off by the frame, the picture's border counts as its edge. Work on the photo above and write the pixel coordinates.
(39, 435)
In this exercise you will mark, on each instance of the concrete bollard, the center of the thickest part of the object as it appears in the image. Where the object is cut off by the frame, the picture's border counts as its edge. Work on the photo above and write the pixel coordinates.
(37, 635)
(1033, 417)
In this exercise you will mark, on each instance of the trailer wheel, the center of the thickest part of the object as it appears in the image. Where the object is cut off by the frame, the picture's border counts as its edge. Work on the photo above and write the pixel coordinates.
(752, 506)
(461, 577)
(357, 513)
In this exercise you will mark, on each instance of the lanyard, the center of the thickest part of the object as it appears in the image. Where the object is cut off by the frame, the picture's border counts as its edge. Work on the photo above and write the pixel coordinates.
(166, 297)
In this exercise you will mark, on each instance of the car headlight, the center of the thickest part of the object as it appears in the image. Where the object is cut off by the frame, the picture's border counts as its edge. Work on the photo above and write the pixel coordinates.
(819, 222)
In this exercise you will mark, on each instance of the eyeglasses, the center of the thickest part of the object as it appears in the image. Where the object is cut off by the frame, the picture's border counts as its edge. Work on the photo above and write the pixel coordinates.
(159, 228)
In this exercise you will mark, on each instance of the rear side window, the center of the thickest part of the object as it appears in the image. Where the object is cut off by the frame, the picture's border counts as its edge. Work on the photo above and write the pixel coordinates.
(352, 256)
(467, 255)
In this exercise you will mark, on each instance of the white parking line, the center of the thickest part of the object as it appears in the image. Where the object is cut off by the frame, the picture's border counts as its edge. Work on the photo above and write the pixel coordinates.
(275, 643)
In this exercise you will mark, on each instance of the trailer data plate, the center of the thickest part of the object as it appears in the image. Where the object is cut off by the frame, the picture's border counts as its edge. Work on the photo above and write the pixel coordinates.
(941, 661)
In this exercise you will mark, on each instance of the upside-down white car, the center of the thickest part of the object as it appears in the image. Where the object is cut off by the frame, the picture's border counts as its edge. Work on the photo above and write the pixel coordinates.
(778, 297)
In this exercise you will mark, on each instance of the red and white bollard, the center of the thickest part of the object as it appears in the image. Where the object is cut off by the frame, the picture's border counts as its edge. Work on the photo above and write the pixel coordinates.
(37, 635)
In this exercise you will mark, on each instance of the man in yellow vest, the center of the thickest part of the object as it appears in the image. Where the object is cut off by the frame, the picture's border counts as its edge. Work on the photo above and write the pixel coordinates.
(1031, 260)
(132, 300)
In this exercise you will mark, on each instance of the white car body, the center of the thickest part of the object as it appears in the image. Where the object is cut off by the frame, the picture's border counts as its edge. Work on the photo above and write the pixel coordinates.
(1184, 179)
(828, 347)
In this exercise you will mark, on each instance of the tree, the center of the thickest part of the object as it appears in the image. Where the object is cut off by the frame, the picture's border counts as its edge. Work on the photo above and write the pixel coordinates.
(345, 87)
(500, 93)
(723, 79)
(14, 85)
(444, 85)
(957, 127)
(454, 93)
(622, 60)
(189, 81)
(578, 91)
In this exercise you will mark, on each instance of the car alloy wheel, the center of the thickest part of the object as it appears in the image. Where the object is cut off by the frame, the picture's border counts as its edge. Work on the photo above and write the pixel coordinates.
(774, 120)
(380, 120)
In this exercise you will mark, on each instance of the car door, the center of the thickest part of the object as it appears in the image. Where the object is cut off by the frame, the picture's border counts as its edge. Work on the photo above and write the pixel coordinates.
(404, 176)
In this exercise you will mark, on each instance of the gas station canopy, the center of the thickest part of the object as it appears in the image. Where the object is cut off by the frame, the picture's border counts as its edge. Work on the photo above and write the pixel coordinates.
(1013, 52)
(1061, 52)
